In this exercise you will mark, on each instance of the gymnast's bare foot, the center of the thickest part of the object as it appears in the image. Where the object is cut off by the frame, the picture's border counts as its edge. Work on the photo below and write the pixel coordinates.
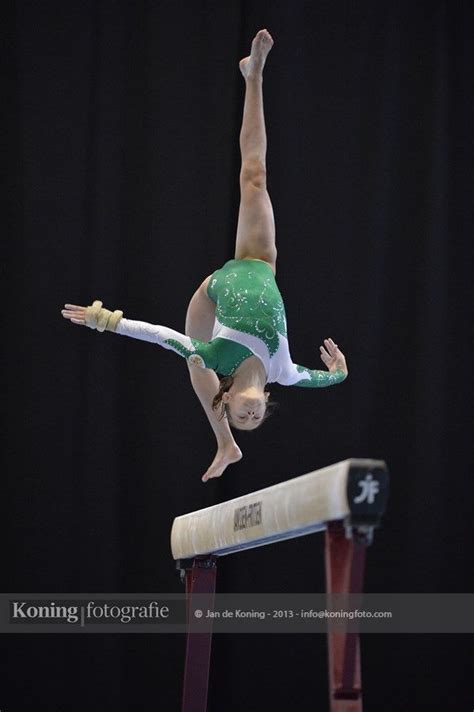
(223, 458)
(252, 66)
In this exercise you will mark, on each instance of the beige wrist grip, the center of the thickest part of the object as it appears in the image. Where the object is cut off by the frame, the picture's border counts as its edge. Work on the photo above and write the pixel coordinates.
(96, 317)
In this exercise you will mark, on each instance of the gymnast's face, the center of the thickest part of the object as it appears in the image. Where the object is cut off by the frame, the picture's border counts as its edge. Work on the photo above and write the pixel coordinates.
(246, 408)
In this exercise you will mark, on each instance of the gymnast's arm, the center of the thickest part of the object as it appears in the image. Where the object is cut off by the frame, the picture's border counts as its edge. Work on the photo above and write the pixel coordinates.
(96, 317)
(295, 375)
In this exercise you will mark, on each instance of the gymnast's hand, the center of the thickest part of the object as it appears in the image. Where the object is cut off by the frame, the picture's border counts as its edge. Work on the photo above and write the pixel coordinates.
(94, 316)
(332, 357)
(76, 314)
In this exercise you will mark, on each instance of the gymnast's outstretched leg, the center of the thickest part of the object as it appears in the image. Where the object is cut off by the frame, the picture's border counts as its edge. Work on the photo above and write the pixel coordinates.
(256, 224)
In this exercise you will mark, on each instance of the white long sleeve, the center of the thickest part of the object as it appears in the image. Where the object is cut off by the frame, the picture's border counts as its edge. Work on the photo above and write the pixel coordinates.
(155, 333)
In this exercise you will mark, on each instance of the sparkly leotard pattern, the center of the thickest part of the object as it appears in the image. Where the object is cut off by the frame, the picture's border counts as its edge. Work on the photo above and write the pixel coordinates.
(250, 321)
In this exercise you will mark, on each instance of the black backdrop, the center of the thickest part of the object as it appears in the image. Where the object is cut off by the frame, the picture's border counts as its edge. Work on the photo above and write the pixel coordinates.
(122, 161)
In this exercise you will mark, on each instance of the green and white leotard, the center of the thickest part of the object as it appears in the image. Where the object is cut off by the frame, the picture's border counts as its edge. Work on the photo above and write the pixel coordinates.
(250, 321)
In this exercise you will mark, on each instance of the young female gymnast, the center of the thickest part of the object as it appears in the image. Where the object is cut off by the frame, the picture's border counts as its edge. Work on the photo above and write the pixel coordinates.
(235, 323)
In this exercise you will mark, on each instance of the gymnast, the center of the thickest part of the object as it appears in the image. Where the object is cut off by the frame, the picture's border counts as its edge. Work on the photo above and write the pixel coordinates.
(235, 322)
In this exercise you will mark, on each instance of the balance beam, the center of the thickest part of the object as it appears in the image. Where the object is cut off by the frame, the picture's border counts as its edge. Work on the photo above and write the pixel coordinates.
(346, 500)
(300, 506)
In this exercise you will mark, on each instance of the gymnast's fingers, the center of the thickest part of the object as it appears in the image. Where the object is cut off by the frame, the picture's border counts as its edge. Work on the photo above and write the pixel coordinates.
(70, 309)
(330, 345)
(75, 317)
(73, 306)
(324, 355)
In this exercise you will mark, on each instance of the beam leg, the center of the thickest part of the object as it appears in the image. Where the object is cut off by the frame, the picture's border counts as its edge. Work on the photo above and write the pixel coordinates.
(344, 559)
(200, 578)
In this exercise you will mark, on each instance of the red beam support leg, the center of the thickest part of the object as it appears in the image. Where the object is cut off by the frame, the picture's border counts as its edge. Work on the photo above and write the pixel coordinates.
(345, 559)
(201, 578)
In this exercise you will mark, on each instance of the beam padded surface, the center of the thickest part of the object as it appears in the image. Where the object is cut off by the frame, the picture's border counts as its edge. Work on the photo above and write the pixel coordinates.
(288, 509)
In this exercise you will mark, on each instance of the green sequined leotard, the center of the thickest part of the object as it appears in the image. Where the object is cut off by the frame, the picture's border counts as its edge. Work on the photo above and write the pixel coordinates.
(250, 320)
